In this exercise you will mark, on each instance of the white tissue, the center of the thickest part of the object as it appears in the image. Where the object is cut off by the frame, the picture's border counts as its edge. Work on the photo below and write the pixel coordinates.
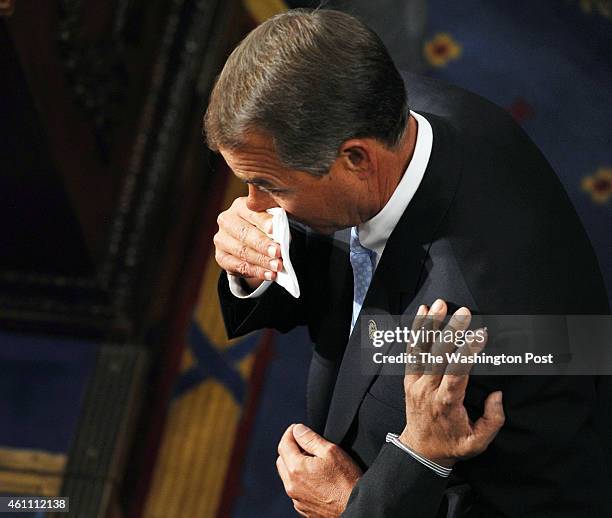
(281, 234)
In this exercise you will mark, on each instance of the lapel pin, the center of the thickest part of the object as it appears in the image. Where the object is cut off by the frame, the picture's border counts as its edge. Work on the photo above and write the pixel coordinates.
(371, 328)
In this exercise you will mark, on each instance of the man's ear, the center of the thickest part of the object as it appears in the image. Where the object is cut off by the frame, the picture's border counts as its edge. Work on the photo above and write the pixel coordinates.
(357, 156)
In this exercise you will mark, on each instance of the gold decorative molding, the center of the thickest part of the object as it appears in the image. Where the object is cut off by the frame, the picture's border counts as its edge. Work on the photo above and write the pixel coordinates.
(32, 460)
(17, 483)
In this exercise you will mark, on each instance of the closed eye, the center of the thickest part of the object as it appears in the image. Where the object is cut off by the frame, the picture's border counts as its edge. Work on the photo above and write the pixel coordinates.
(267, 188)
(271, 190)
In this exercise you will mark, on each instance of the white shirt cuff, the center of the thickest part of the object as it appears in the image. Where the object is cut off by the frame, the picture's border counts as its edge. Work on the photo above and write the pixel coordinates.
(238, 291)
(439, 470)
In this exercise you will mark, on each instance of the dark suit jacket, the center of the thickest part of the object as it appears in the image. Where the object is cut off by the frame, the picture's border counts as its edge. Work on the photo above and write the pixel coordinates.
(491, 228)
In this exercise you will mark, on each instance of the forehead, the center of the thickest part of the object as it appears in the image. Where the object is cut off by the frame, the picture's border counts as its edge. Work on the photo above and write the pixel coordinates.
(255, 158)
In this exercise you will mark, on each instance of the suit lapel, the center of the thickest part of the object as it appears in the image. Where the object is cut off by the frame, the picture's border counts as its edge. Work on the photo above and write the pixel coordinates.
(331, 311)
(398, 272)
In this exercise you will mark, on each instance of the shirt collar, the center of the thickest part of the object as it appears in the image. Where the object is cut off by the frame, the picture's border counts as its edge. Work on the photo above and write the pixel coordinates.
(373, 234)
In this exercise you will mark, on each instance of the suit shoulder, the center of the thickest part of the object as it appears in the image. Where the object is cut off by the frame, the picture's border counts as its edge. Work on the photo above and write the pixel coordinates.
(466, 111)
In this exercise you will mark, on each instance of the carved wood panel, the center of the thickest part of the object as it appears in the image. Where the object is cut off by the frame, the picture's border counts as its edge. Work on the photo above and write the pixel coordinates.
(100, 103)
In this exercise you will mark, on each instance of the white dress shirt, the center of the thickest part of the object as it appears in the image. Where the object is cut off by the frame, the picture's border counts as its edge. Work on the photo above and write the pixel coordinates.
(375, 232)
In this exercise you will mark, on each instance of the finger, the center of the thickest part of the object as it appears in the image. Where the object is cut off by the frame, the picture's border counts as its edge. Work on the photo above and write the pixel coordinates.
(285, 477)
(437, 313)
(283, 472)
(235, 266)
(431, 321)
(289, 449)
(455, 380)
(428, 330)
(460, 320)
(420, 317)
(250, 255)
(310, 441)
(446, 342)
(474, 344)
(262, 220)
(413, 371)
(457, 374)
(489, 425)
(241, 229)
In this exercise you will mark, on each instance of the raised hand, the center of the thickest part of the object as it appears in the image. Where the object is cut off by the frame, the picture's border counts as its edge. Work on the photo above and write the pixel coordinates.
(438, 426)
(242, 245)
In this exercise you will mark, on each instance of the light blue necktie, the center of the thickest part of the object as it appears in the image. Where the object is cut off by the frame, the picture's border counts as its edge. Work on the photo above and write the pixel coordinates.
(362, 261)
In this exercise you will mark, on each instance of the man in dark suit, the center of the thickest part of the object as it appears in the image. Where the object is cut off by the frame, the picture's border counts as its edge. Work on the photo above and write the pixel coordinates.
(451, 201)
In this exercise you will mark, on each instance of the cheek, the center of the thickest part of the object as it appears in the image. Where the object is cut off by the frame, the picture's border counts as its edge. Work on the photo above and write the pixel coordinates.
(290, 206)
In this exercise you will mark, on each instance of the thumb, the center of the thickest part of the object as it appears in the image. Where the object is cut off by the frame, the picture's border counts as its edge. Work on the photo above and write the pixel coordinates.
(487, 427)
(309, 440)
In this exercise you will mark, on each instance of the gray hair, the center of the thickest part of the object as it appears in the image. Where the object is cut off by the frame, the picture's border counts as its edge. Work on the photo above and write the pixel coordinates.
(311, 80)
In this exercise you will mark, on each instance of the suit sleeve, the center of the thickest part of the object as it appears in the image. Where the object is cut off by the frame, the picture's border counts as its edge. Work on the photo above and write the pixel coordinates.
(548, 457)
(276, 308)
(396, 486)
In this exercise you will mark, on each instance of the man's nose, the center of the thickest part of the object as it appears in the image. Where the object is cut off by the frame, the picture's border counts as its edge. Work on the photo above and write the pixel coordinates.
(259, 201)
